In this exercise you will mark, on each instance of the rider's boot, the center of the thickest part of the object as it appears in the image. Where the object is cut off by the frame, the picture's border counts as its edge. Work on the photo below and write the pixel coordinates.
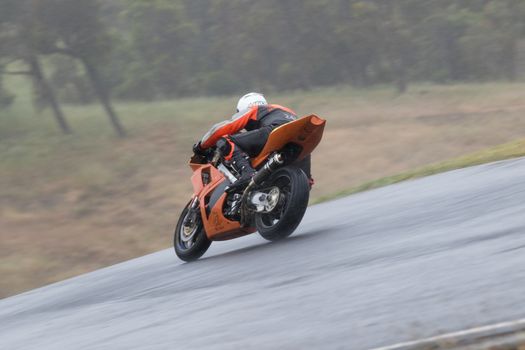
(241, 163)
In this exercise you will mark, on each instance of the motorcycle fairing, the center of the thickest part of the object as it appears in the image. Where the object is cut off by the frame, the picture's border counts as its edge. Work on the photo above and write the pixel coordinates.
(305, 132)
(219, 228)
(216, 194)
(211, 203)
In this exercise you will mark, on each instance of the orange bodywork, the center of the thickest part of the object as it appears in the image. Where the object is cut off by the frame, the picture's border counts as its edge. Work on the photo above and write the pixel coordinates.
(305, 132)
(217, 226)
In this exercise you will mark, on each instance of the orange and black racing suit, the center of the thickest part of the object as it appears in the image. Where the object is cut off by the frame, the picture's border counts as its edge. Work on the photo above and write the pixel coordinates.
(258, 121)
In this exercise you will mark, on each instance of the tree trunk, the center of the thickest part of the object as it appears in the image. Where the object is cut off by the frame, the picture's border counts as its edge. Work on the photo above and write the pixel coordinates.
(103, 96)
(401, 77)
(49, 95)
(401, 84)
(512, 54)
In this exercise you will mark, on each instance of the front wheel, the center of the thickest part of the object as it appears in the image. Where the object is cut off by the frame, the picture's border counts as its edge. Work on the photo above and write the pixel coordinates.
(294, 191)
(190, 241)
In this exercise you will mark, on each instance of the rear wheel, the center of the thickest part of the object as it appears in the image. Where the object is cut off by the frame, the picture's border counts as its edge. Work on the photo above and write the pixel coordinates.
(190, 242)
(293, 199)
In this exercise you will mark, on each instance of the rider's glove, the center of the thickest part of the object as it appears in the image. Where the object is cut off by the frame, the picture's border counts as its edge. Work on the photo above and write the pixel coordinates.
(198, 150)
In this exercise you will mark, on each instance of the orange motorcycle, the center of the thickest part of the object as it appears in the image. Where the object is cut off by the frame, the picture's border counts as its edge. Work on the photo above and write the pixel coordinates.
(273, 203)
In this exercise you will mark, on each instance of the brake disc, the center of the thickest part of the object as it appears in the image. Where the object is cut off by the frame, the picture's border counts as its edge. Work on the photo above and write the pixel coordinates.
(266, 202)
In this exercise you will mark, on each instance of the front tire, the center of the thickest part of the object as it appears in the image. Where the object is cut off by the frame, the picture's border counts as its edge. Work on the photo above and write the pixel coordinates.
(194, 243)
(284, 219)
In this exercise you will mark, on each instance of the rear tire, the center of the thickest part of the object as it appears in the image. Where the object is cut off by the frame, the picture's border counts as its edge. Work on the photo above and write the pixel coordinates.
(199, 244)
(285, 218)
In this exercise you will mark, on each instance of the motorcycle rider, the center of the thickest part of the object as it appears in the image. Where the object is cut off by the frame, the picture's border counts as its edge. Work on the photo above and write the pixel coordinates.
(258, 118)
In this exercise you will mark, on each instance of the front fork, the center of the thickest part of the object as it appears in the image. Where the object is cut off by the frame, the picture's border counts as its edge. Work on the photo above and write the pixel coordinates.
(192, 211)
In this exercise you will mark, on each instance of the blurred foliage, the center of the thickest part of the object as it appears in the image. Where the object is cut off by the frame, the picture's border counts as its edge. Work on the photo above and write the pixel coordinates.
(149, 49)
(6, 98)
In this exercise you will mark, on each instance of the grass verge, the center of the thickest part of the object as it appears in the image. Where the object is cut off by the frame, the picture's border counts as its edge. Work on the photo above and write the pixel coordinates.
(72, 204)
(505, 151)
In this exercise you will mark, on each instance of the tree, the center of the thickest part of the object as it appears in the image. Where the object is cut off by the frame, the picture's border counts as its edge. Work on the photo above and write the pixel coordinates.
(22, 37)
(147, 49)
(77, 31)
(161, 40)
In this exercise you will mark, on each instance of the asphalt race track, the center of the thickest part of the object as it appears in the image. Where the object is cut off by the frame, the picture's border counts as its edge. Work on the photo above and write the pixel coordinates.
(408, 261)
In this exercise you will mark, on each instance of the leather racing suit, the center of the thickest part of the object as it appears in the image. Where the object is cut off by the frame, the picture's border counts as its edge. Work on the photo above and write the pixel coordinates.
(258, 121)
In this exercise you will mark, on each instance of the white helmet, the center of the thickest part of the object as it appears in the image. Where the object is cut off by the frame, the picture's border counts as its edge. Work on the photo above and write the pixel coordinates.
(250, 100)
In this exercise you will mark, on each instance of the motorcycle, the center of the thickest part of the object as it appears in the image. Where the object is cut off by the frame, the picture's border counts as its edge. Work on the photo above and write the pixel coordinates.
(273, 203)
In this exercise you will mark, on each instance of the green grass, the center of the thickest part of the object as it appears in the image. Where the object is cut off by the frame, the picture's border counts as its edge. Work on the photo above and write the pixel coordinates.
(505, 151)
